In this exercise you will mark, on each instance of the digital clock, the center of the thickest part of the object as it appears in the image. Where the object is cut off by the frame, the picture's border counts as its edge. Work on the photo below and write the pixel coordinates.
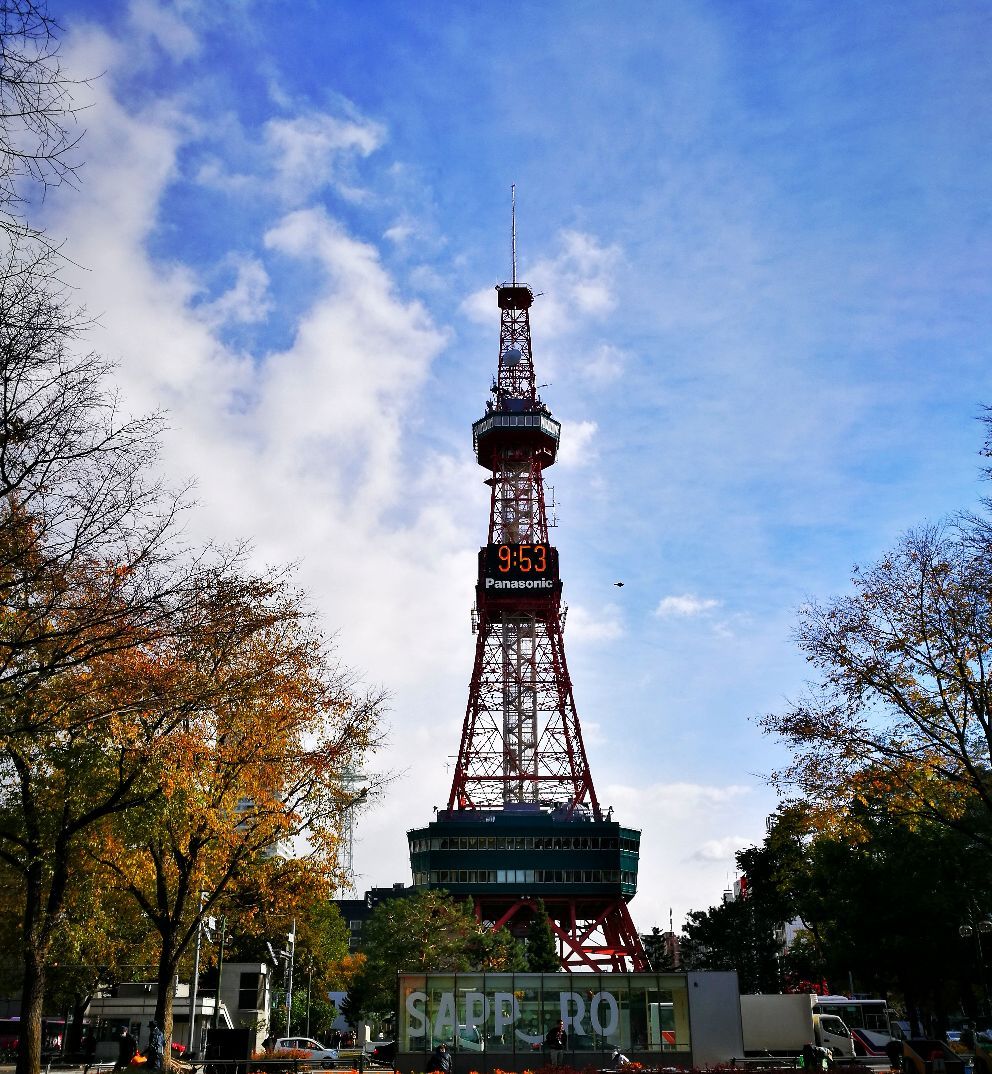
(525, 569)
(522, 557)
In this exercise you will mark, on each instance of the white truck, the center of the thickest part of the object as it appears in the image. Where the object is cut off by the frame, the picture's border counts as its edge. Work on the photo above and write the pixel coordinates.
(782, 1025)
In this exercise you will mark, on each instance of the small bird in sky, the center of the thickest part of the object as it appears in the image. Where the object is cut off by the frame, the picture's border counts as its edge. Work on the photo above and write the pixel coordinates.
(619, 585)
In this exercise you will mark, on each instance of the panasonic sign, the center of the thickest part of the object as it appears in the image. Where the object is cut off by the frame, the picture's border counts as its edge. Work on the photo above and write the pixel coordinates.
(520, 583)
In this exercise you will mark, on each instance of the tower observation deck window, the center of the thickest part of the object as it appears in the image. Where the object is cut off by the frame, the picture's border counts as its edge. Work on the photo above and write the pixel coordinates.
(500, 420)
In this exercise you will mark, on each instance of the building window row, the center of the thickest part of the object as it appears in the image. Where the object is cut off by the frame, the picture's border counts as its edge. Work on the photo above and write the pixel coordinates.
(524, 842)
(524, 876)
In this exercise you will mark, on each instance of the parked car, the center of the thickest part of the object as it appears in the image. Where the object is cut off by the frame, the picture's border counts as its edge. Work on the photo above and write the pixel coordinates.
(467, 1039)
(384, 1052)
(319, 1053)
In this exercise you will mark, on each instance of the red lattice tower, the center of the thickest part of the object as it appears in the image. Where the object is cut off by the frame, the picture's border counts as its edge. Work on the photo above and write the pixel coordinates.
(521, 740)
(523, 821)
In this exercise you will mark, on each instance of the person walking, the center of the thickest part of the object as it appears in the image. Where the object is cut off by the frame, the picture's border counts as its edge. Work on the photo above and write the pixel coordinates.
(556, 1042)
(155, 1052)
(89, 1051)
(440, 1060)
(619, 1059)
(127, 1049)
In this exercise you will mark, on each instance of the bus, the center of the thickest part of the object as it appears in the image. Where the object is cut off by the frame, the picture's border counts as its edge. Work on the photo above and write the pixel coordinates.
(869, 1020)
(52, 1033)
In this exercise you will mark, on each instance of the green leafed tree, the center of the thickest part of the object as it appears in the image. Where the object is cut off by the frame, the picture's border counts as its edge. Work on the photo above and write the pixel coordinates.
(735, 935)
(427, 932)
(542, 948)
(658, 951)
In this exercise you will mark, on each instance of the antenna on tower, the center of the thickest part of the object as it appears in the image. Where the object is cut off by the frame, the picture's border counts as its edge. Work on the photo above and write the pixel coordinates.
(513, 228)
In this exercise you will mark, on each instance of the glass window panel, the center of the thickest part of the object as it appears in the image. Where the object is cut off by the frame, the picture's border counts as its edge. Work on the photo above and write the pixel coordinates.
(408, 1041)
(499, 1034)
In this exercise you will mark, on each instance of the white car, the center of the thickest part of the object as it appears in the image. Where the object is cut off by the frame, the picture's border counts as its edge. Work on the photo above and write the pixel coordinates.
(468, 1039)
(320, 1053)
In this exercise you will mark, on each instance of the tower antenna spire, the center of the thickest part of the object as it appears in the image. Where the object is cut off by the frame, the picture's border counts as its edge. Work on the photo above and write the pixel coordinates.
(513, 229)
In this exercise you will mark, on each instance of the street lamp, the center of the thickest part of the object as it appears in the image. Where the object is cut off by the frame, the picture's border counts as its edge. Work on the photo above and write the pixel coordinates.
(977, 927)
(220, 969)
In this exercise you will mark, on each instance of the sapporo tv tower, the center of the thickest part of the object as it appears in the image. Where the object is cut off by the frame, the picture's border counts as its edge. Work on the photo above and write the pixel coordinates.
(523, 821)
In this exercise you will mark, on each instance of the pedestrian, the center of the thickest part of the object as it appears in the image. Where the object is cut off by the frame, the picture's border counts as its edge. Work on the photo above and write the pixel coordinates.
(440, 1060)
(556, 1042)
(269, 1043)
(893, 1049)
(155, 1052)
(619, 1059)
(810, 1058)
(89, 1050)
(127, 1049)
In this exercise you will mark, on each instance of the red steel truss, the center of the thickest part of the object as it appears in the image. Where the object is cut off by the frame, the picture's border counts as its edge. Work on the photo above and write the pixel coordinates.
(591, 934)
(521, 739)
(521, 745)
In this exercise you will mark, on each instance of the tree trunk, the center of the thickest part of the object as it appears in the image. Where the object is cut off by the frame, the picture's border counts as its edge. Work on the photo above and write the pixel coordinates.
(168, 965)
(32, 1008)
(73, 1036)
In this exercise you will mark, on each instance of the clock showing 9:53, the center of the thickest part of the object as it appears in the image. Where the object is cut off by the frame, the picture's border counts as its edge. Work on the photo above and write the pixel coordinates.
(536, 563)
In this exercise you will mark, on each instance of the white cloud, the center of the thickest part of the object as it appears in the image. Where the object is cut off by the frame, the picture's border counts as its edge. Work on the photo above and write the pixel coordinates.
(684, 605)
(576, 441)
(721, 850)
(681, 799)
(400, 232)
(246, 301)
(605, 364)
(478, 306)
(153, 21)
(578, 283)
(307, 151)
(691, 833)
(603, 625)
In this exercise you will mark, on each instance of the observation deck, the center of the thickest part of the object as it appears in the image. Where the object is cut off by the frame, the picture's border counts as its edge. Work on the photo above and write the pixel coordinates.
(500, 854)
(533, 431)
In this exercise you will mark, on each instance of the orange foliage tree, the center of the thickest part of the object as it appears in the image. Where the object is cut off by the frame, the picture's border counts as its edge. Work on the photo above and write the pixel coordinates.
(903, 701)
(89, 585)
(254, 772)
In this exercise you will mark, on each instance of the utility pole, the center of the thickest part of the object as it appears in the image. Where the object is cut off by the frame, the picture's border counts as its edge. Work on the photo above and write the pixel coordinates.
(195, 982)
(291, 952)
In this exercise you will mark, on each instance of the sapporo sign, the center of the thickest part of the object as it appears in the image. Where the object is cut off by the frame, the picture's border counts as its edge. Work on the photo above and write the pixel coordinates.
(598, 1014)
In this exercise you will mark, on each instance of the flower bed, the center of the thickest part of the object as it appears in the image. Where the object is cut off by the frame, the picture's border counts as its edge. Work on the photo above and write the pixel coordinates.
(281, 1059)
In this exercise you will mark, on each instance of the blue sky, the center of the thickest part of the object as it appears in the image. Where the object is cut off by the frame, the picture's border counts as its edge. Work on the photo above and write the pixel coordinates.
(761, 233)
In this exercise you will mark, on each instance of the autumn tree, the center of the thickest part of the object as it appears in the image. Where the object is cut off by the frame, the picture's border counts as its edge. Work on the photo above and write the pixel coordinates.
(903, 698)
(259, 909)
(88, 584)
(426, 932)
(252, 772)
